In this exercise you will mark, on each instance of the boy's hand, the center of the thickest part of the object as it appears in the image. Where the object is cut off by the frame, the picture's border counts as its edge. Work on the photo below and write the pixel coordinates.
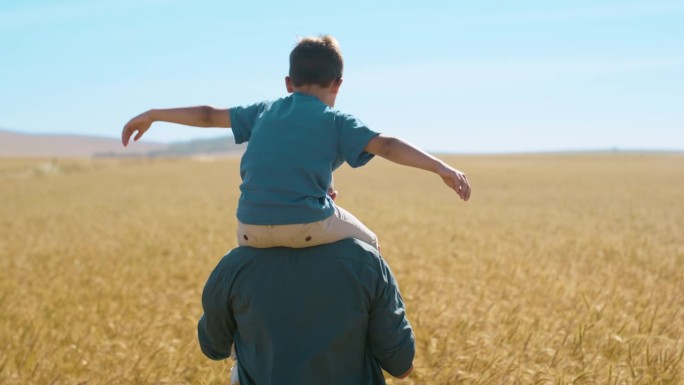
(456, 180)
(332, 193)
(140, 123)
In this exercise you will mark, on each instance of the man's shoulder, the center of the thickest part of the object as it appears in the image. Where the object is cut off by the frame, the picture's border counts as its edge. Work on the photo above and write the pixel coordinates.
(351, 250)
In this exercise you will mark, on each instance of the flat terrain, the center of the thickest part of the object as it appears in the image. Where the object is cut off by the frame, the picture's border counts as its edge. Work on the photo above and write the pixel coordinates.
(562, 269)
(16, 145)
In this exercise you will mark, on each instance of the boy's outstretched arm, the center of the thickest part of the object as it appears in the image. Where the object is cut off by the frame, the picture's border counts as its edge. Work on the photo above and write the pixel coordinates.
(401, 152)
(201, 116)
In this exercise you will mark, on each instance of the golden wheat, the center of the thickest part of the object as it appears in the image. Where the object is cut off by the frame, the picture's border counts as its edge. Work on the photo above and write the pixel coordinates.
(562, 269)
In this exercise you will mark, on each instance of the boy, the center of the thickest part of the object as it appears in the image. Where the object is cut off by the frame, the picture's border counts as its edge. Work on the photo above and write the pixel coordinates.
(294, 145)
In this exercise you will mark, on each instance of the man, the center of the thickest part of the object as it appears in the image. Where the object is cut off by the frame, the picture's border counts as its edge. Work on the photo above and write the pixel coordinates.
(330, 314)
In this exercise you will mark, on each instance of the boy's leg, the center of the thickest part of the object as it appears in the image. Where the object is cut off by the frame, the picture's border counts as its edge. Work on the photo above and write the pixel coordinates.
(255, 236)
(265, 236)
(343, 225)
(234, 376)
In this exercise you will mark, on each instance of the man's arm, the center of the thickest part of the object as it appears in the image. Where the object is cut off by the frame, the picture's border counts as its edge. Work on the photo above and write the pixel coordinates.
(201, 116)
(406, 374)
(401, 152)
(216, 328)
(390, 335)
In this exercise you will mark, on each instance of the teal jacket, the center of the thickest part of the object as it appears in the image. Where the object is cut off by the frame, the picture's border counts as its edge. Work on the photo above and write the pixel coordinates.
(330, 314)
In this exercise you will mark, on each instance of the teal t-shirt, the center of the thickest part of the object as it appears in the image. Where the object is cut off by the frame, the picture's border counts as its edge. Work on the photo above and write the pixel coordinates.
(294, 145)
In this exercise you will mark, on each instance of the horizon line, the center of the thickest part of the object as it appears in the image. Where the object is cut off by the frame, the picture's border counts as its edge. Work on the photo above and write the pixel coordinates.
(578, 151)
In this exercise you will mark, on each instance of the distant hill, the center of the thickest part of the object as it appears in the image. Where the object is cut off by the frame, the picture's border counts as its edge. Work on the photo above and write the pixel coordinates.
(14, 144)
(217, 146)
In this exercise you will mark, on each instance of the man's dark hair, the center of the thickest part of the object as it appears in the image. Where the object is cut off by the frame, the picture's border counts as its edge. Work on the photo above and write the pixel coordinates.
(316, 60)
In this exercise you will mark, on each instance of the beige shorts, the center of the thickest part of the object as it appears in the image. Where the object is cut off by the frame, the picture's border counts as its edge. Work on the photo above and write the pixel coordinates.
(340, 225)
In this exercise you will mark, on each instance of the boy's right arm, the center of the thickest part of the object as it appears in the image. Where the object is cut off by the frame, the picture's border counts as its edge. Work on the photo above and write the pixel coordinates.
(201, 116)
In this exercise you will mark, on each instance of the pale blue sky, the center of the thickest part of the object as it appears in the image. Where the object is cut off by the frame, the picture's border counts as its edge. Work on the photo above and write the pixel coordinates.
(455, 76)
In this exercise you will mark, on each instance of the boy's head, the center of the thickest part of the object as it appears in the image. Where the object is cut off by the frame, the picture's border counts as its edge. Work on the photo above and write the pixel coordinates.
(316, 61)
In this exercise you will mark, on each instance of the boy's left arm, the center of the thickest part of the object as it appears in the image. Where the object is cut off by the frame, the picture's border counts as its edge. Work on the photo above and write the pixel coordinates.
(404, 153)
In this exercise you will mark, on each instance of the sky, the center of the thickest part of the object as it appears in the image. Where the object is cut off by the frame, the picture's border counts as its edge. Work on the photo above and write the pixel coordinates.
(448, 76)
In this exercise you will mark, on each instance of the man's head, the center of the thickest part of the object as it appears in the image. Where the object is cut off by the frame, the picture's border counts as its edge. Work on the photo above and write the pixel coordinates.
(316, 61)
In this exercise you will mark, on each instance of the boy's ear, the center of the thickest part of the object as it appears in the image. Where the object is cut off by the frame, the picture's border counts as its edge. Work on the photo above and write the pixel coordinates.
(288, 84)
(335, 86)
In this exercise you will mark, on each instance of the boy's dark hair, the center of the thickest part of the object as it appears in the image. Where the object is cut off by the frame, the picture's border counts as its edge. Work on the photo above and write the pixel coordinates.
(316, 60)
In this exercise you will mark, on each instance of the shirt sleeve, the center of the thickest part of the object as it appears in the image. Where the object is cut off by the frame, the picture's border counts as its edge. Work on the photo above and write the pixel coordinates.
(391, 337)
(242, 120)
(216, 327)
(353, 138)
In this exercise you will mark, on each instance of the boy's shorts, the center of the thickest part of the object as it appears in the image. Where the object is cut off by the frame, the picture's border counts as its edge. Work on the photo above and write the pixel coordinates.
(340, 225)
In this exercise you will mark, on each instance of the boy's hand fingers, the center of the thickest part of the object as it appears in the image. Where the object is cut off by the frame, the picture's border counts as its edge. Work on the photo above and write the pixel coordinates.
(465, 187)
(466, 192)
(462, 186)
(468, 189)
(126, 135)
(131, 128)
(458, 181)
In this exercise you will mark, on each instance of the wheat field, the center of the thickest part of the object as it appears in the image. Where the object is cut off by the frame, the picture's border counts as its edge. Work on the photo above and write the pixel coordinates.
(561, 269)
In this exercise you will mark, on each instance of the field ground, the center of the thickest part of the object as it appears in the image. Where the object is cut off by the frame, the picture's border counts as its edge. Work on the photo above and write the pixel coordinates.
(562, 269)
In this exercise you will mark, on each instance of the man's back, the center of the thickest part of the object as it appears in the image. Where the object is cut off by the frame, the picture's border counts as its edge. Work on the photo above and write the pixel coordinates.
(330, 314)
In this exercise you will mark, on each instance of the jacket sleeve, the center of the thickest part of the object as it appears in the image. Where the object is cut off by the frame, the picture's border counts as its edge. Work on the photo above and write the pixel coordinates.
(216, 327)
(390, 334)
